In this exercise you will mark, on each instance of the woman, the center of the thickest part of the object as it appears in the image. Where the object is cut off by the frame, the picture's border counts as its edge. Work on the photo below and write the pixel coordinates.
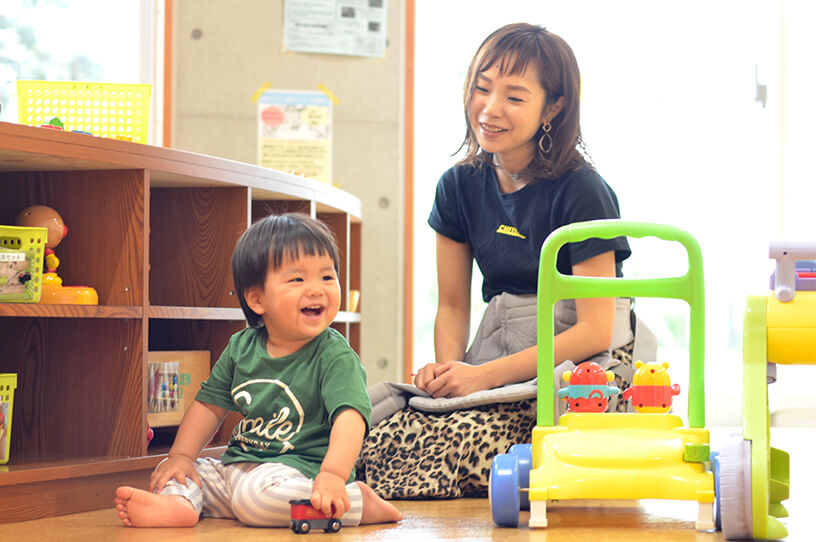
(523, 176)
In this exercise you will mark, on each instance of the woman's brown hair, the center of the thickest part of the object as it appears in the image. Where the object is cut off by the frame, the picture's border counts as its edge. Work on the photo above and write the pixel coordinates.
(514, 47)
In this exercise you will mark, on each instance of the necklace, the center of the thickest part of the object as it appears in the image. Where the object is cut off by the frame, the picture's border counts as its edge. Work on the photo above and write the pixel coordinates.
(518, 176)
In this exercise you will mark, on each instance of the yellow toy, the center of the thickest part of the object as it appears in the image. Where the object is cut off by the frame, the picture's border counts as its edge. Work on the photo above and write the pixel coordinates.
(651, 389)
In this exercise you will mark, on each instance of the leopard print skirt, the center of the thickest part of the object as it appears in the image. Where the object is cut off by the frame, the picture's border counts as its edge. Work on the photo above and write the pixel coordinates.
(420, 455)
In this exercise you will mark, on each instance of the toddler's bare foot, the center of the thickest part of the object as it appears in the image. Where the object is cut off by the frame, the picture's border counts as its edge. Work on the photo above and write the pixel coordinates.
(376, 509)
(139, 508)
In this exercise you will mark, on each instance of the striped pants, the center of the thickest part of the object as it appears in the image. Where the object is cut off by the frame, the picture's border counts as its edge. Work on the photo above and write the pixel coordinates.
(255, 494)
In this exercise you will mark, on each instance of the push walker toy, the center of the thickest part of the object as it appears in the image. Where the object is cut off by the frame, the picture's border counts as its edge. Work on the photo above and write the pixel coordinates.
(648, 454)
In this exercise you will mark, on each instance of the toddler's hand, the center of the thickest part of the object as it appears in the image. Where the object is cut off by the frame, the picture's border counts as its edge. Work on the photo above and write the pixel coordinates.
(176, 467)
(329, 495)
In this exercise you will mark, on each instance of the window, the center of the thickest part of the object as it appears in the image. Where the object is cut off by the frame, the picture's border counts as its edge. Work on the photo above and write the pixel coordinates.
(83, 40)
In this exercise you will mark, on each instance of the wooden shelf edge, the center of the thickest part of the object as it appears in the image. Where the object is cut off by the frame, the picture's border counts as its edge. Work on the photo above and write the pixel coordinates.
(224, 313)
(25, 148)
(11, 475)
(70, 311)
(194, 313)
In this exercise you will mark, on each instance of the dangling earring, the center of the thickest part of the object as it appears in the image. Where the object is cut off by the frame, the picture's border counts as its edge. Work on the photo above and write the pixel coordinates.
(545, 143)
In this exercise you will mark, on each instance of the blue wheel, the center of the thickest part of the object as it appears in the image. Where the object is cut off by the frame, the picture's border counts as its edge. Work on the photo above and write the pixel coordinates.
(524, 453)
(503, 490)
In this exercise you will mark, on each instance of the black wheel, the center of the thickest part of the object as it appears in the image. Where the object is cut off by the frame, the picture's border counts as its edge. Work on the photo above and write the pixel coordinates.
(333, 526)
(304, 527)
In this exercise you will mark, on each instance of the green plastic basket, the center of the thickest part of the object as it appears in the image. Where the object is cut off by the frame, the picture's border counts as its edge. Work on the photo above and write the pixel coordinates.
(8, 383)
(21, 262)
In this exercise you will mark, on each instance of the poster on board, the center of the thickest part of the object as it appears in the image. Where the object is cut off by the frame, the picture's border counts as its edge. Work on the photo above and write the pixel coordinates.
(340, 27)
(295, 133)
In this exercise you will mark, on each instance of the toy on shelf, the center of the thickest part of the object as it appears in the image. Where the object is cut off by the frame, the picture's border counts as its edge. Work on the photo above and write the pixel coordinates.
(651, 389)
(305, 516)
(53, 292)
(589, 388)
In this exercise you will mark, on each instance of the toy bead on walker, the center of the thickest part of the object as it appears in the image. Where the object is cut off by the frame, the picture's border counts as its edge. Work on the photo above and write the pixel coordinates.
(42, 216)
(589, 388)
(651, 389)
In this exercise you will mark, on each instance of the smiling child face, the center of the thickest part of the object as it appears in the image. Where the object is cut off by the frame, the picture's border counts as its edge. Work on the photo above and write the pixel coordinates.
(298, 301)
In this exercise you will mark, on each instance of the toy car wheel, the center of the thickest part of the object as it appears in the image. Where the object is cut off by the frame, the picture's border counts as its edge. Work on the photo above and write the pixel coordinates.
(503, 490)
(333, 526)
(524, 453)
(732, 486)
(303, 527)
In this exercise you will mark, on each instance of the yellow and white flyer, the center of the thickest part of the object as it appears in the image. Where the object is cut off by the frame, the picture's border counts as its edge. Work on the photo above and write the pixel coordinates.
(295, 133)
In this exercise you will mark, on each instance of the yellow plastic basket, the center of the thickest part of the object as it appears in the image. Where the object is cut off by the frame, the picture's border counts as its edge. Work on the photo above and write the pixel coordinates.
(8, 383)
(21, 261)
(117, 111)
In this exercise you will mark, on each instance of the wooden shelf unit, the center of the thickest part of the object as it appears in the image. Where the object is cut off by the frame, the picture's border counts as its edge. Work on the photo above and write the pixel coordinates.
(152, 230)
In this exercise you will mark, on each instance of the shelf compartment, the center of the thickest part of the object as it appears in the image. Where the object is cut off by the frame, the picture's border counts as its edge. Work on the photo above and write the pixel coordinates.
(113, 229)
(193, 233)
(79, 381)
(263, 208)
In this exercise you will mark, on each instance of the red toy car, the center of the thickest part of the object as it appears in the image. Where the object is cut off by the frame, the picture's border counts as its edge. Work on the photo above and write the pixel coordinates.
(305, 516)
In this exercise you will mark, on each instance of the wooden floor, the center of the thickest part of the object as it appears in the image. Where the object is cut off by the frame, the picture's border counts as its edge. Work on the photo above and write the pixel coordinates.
(469, 519)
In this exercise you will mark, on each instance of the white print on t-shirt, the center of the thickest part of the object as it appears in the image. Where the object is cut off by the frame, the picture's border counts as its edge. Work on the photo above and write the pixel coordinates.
(278, 427)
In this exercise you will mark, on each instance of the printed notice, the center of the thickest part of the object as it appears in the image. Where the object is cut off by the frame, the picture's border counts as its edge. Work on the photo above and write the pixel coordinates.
(341, 27)
(295, 133)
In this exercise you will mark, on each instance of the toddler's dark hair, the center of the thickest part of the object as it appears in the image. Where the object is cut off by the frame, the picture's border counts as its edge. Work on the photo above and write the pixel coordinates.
(265, 245)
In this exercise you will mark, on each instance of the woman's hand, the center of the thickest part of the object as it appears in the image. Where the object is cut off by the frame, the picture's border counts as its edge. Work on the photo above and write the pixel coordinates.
(329, 495)
(425, 375)
(452, 379)
(177, 467)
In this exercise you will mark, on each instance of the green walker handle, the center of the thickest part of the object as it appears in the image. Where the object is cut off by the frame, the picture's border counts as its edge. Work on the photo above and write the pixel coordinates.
(553, 285)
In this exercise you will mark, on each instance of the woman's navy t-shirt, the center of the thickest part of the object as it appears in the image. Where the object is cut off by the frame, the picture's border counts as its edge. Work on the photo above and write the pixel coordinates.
(505, 231)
